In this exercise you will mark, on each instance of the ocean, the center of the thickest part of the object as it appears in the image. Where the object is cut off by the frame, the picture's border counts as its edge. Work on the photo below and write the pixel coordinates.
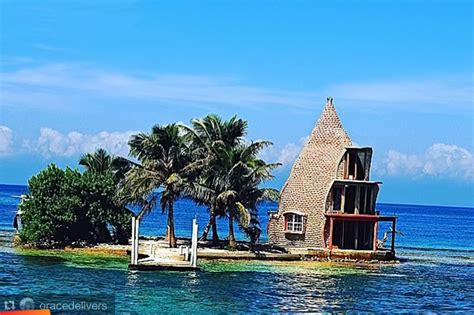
(436, 273)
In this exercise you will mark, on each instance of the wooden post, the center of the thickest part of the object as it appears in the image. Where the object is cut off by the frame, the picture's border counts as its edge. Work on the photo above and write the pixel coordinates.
(346, 168)
(355, 165)
(357, 200)
(331, 225)
(343, 198)
(356, 211)
(186, 253)
(376, 228)
(343, 224)
(137, 235)
(365, 165)
(371, 200)
(132, 252)
(194, 244)
(364, 202)
(356, 236)
(393, 235)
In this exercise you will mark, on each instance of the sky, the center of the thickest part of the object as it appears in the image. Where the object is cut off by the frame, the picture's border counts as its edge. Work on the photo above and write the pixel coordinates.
(78, 75)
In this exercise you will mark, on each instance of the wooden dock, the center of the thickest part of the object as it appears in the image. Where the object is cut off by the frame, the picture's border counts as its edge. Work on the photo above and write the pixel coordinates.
(157, 257)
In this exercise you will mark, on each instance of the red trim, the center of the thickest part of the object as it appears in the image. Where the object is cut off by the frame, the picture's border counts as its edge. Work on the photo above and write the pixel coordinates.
(359, 217)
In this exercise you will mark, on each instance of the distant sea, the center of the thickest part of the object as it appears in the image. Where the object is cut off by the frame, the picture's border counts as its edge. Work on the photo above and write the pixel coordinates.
(436, 273)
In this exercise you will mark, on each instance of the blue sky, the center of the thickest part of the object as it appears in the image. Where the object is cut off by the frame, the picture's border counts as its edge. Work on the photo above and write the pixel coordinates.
(81, 74)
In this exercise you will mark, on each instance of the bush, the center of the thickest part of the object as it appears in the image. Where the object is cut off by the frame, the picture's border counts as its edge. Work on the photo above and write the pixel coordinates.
(66, 207)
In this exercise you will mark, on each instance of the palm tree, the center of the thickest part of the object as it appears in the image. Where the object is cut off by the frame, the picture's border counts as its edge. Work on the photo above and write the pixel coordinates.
(210, 137)
(101, 162)
(167, 163)
(240, 186)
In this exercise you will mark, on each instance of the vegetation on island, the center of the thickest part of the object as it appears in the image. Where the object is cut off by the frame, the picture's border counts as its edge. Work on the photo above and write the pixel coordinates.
(229, 184)
(67, 207)
(208, 161)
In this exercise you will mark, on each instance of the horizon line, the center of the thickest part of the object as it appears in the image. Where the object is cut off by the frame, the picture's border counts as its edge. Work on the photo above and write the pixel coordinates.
(383, 203)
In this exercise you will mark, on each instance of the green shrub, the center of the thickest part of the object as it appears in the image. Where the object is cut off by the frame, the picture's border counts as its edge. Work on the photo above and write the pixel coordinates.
(66, 207)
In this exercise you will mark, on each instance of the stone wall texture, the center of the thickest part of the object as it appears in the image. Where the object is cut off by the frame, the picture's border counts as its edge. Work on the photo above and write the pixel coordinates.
(310, 181)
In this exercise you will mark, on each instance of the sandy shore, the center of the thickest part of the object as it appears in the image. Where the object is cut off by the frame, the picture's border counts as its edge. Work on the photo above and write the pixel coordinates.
(157, 249)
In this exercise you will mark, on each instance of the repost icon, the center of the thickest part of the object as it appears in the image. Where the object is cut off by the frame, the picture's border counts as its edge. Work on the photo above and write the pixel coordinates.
(27, 304)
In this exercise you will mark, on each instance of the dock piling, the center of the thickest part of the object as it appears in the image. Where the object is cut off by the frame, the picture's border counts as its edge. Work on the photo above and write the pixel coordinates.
(194, 243)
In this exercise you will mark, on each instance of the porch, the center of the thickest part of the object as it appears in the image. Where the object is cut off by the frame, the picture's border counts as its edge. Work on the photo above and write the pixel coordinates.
(368, 234)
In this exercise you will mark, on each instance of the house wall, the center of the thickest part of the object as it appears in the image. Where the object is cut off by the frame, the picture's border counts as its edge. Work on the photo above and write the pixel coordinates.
(309, 182)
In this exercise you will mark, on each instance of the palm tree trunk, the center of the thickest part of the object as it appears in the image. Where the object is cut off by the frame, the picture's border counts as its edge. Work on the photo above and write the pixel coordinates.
(170, 228)
(232, 242)
(206, 229)
(211, 223)
(167, 236)
(215, 236)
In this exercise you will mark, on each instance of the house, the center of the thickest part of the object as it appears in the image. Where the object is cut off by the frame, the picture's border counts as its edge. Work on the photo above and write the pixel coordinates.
(328, 201)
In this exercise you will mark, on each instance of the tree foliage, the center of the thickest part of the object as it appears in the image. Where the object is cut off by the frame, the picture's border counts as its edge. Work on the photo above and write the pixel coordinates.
(210, 137)
(210, 162)
(66, 207)
(230, 184)
(167, 163)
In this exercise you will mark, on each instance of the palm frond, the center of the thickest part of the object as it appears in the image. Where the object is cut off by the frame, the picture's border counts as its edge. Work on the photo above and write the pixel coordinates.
(224, 197)
(269, 194)
(243, 215)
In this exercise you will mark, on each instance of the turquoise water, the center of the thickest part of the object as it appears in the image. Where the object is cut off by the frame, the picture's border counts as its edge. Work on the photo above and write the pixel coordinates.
(437, 273)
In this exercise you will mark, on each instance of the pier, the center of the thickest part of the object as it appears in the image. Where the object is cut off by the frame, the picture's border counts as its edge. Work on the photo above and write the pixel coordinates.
(155, 255)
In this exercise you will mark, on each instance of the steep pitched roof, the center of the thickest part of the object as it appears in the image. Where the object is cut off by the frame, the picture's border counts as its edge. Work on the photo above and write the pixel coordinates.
(324, 146)
(313, 172)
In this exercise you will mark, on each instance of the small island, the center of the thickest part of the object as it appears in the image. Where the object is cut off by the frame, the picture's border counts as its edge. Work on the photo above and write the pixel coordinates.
(326, 209)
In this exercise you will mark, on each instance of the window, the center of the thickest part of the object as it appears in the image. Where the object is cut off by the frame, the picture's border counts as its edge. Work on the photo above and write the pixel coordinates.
(293, 223)
(357, 164)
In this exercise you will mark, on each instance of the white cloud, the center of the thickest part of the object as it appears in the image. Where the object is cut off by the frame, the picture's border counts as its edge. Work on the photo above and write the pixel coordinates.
(6, 140)
(65, 84)
(51, 142)
(27, 86)
(288, 154)
(454, 90)
(285, 155)
(439, 160)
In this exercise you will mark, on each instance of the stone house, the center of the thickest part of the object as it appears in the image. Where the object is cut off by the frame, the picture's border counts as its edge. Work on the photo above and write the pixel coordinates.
(329, 200)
